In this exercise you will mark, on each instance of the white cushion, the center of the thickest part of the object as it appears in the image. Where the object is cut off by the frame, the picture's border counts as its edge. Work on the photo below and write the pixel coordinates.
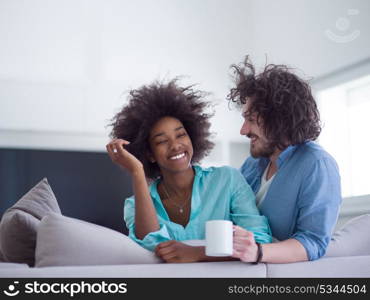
(7, 265)
(327, 267)
(353, 239)
(64, 241)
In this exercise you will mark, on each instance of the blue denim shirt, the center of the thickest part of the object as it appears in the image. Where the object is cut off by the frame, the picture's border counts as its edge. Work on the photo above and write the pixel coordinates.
(304, 197)
(218, 194)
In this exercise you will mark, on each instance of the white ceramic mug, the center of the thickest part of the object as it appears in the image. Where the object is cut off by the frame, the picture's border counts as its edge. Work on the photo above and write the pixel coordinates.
(219, 238)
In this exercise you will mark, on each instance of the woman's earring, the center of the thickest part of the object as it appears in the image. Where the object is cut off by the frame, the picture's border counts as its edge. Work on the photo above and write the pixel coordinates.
(150, 157)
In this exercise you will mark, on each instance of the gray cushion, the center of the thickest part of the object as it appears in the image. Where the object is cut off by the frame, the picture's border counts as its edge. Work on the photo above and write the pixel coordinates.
(64, 241)
(353, 239)
(19, 223)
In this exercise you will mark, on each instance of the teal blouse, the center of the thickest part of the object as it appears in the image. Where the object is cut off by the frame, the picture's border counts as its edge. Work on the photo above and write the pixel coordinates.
(219, 193)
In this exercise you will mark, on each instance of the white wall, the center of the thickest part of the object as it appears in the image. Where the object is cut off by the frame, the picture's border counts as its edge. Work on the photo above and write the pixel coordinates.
(295, 33)
(65, 65)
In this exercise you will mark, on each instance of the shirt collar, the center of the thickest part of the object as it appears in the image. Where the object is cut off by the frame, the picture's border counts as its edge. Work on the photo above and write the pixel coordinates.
(285, 154)
(195, 199)
(198, 172)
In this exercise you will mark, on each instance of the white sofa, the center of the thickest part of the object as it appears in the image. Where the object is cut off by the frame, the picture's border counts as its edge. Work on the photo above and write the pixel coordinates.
(330, 267)
(33, 232)
(68, 247)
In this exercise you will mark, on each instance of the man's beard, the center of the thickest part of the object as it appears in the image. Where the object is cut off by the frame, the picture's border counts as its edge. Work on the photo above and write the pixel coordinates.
(265, 150)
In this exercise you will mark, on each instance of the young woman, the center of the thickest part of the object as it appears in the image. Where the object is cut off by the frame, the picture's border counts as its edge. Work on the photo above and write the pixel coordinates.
(161, 135)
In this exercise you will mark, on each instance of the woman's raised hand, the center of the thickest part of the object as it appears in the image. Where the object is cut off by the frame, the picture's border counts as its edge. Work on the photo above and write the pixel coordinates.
(120, 156)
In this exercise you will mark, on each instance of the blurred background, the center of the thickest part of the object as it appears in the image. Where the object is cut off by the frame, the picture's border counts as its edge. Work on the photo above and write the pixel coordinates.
(66, 67)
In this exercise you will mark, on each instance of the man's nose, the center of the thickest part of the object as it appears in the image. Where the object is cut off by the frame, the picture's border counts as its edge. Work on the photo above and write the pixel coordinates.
(244, 130)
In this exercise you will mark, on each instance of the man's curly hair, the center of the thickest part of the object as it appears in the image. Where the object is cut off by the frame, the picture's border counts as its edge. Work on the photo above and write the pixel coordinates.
(149, 104)
(282, 100)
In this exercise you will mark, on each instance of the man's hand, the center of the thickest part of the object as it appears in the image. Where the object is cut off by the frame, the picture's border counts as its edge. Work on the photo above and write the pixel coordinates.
(244, 245)
(177, 252)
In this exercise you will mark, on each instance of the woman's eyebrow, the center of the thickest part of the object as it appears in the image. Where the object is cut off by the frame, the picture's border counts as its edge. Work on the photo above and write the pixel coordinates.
(162, 133)
(157, 135)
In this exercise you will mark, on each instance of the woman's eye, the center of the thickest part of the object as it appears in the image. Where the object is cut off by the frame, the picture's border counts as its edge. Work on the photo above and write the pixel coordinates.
(182, 134)
(161, 142)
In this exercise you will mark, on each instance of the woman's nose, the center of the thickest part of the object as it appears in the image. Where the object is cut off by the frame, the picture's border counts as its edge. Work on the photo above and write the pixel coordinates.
(175, 145)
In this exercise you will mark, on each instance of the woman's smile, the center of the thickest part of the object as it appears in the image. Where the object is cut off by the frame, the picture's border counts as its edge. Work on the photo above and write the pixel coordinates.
(178, 156)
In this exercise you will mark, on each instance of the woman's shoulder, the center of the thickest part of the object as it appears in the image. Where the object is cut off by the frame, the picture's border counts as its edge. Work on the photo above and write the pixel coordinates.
(219, 171)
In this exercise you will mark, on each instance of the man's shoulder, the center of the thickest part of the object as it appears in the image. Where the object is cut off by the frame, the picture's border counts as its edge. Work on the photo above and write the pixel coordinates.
(312, 151)
(310, 156)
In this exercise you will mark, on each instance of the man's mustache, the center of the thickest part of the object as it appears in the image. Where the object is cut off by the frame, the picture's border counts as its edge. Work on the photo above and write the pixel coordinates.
(252, 135)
